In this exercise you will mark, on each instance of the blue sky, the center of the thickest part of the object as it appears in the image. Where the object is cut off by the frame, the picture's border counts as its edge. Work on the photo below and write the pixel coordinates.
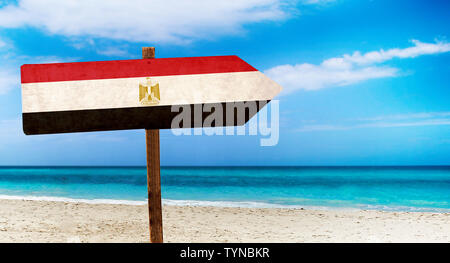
(365, 82)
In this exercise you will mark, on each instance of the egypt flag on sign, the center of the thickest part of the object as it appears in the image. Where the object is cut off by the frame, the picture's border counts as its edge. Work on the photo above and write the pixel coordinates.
(133, 94)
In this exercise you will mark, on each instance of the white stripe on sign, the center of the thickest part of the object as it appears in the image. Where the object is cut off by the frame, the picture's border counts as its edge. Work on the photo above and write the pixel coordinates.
(124, 92)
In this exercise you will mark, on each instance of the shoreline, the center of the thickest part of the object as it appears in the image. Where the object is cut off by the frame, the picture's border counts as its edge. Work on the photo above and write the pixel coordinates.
(225, 204)
(51, 221)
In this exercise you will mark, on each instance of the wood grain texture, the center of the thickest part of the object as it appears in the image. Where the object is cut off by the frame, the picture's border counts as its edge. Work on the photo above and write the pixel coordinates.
(148, 52)
(154, 186)
(153, 174)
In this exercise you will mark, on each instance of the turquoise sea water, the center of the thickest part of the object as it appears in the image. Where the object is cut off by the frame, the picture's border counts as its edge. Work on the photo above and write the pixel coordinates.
(384, 188)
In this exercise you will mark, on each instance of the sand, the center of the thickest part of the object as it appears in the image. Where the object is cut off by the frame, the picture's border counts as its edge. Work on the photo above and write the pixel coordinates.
(48, 221)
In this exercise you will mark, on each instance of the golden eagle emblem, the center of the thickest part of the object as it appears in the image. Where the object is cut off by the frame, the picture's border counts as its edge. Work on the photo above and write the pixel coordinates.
(149, 92)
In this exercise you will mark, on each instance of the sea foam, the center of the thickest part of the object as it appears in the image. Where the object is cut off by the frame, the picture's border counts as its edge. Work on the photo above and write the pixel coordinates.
(229, 204)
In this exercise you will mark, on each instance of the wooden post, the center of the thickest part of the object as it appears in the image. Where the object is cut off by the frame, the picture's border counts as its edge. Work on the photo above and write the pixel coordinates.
(153, 174)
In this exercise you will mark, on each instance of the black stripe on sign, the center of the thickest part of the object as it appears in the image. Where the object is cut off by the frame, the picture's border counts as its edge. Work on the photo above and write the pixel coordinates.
(155, 117)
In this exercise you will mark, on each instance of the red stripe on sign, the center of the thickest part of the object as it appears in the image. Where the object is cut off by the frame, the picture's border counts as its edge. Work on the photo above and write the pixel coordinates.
(132, 68)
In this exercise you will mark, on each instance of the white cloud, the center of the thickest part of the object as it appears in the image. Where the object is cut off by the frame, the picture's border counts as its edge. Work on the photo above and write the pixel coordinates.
(314, 77)
(5, 44)
(433, 122)
(348, 69)
(387, 121)
(115, 52)
(430, 122)
(10, 68)
(317, 2)
(420, 115)
(8, 80)
(11, 132)
(321, 127)
(9, 127)
(141, 20)
(8, 77)
(418, 49)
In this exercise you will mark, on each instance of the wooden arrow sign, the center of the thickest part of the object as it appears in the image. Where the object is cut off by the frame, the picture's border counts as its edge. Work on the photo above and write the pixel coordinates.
(133, 94)
(138, 94)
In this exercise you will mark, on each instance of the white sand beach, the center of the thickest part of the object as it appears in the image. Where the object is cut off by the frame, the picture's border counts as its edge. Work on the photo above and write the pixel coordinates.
(50, 221)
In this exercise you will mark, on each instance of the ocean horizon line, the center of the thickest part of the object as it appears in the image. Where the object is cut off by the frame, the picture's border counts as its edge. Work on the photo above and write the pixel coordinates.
(226, 166)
